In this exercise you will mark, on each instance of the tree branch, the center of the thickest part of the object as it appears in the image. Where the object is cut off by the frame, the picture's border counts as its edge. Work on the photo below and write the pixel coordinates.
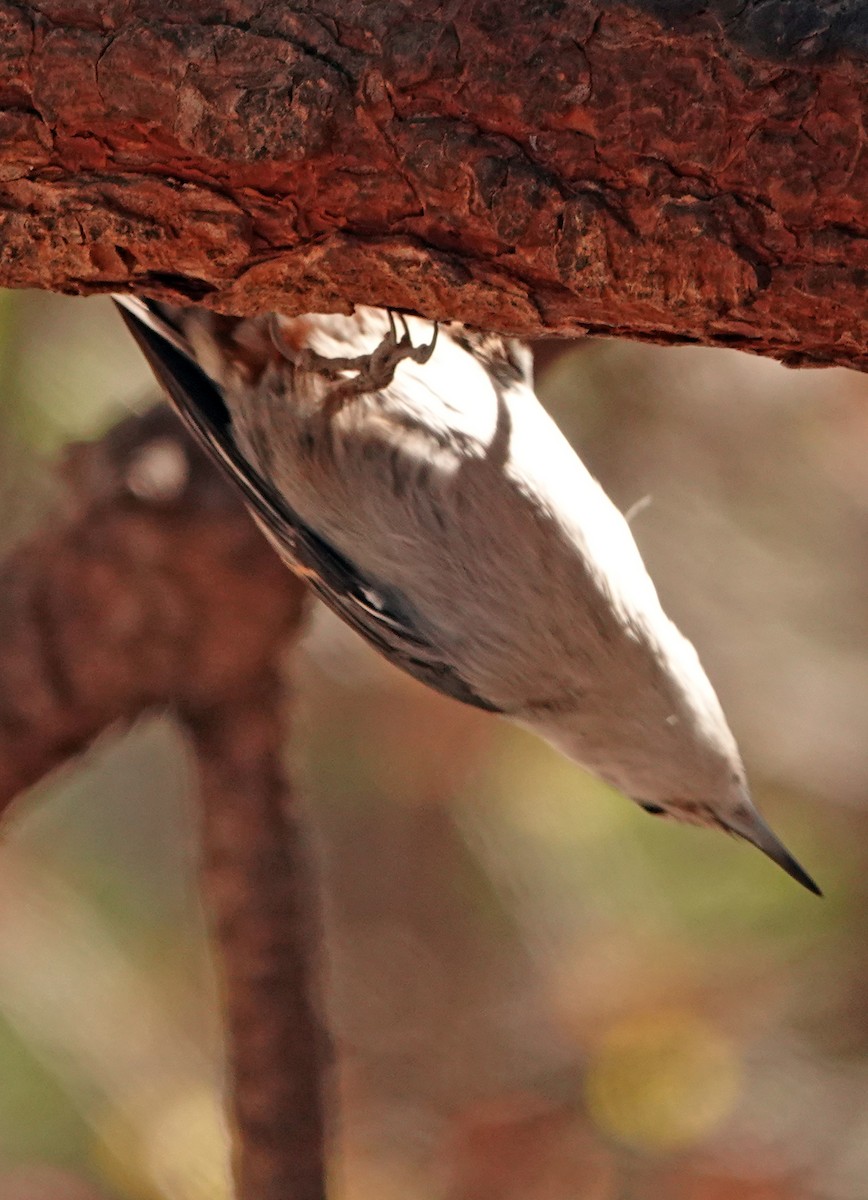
(154, 588)
(662, 170)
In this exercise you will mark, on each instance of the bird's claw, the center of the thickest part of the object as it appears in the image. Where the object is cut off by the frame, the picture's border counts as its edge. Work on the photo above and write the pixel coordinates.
(393, 350)
(372, 372)
(375, 371)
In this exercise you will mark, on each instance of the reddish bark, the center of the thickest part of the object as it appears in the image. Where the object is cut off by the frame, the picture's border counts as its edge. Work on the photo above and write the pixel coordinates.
(667, 170)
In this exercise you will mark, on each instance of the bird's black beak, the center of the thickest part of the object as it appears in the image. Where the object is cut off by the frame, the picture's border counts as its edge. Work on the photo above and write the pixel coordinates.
(748, 824)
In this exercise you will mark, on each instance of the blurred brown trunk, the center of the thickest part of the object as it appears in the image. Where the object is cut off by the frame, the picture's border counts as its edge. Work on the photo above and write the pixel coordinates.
(154, 588)
(658, 170)
(264, 921)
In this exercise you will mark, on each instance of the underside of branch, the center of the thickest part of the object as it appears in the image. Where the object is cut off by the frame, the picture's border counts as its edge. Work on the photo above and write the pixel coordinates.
(672, 171)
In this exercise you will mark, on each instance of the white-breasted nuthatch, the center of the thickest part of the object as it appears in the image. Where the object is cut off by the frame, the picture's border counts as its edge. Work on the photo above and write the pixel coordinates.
(417, 484)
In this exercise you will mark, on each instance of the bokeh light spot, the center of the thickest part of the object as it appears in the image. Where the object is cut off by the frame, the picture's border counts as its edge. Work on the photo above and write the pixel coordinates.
(663, 1080)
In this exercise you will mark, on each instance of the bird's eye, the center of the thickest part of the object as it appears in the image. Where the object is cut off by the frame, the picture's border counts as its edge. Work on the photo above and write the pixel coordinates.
(654, 809)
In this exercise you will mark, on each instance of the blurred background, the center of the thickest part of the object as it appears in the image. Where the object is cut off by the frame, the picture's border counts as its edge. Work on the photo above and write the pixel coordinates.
(537, 992)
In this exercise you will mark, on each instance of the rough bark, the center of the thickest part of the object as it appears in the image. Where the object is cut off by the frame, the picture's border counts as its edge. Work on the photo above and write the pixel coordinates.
(671, 170)
(154, 589)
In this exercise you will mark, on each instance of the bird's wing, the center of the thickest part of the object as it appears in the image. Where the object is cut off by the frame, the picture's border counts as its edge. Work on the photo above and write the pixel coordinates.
(356, 600)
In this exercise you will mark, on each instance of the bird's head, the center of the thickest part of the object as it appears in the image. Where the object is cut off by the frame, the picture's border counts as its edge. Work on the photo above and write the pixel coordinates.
(703, 780)
(655, 730)
(734, 814)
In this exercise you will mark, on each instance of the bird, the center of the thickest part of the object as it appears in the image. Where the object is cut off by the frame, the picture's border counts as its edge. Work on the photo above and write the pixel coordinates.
(409, 474)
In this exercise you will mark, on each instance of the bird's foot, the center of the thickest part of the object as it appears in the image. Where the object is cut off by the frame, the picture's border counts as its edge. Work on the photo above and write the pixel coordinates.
(373, 371)
(379, 370)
